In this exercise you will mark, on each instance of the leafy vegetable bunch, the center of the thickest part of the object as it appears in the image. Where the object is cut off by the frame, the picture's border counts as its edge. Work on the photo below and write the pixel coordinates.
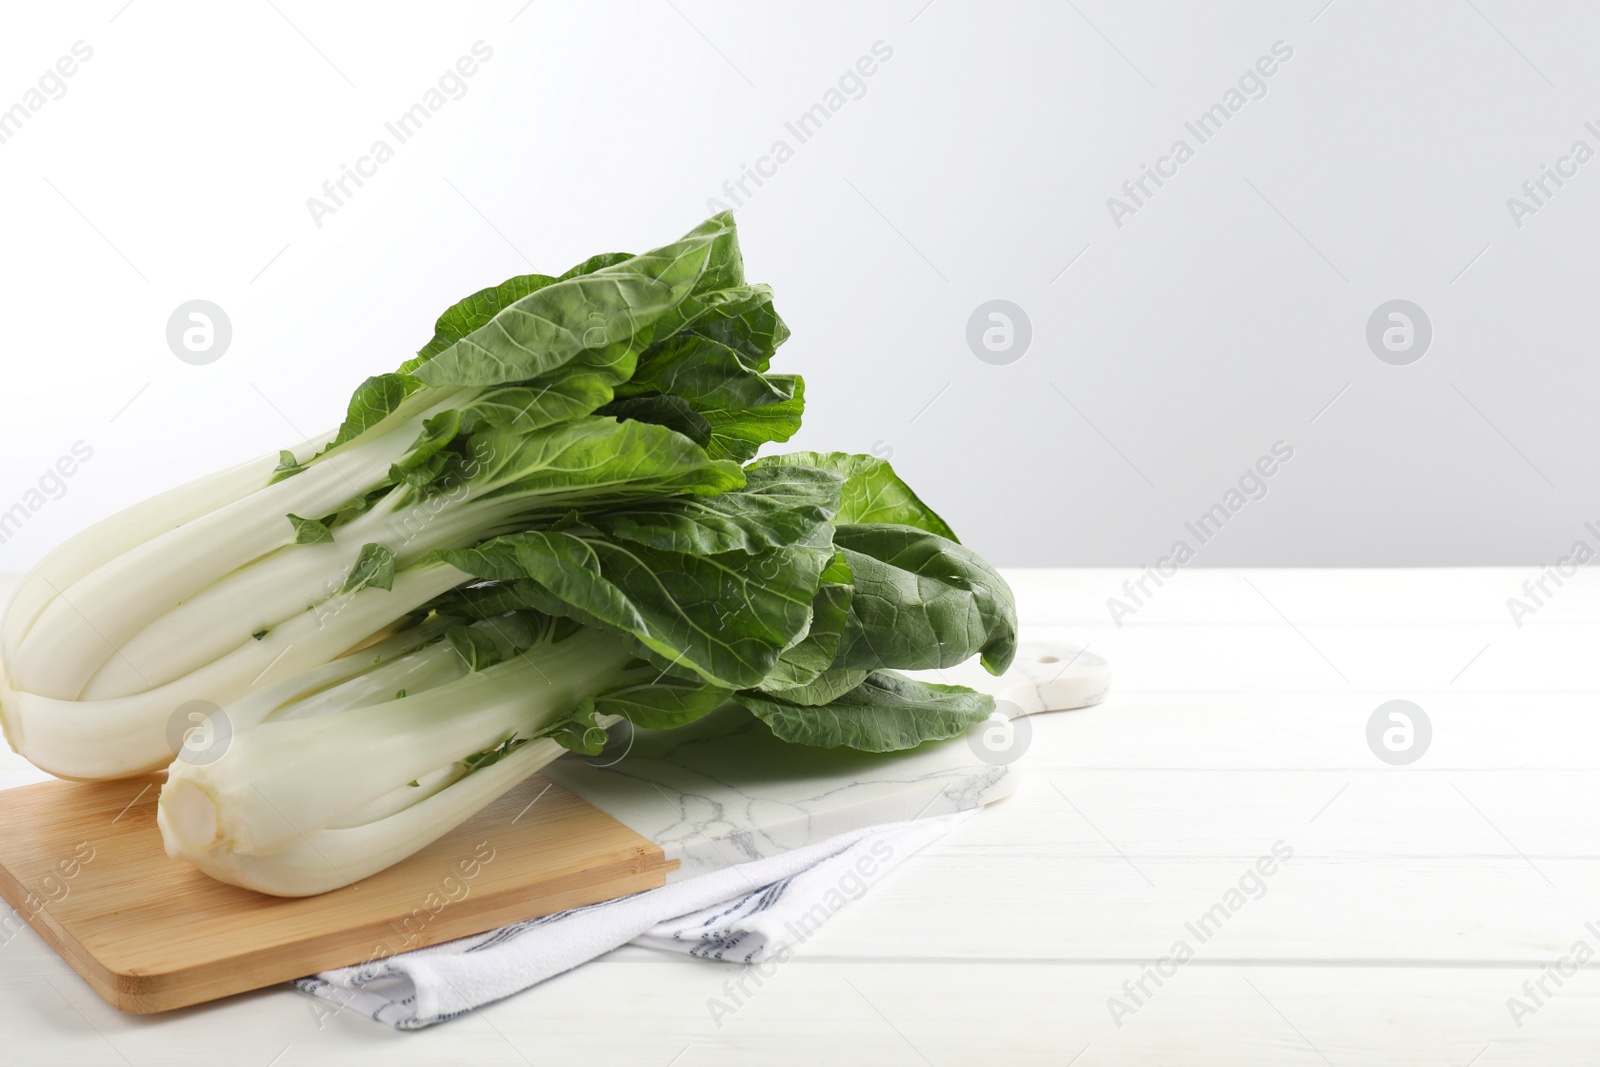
(550, 520)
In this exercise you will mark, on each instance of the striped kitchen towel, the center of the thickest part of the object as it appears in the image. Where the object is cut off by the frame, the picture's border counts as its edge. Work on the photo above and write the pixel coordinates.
(749, 914)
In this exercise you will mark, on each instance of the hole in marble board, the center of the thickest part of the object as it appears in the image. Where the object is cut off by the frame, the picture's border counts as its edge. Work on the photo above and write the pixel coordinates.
(1047, 658)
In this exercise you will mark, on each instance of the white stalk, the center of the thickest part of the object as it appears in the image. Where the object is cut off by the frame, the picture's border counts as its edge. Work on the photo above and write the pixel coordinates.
(129, 734)
(110, 537)
(82, 629)
(280, 779)
(397, 800)
(274, 588)
(75, 634)
(330, 858)
(426, 669)
(334, 779)
(300, 689)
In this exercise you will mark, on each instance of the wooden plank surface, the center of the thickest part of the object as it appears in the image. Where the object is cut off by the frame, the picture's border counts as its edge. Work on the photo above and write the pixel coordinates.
(1418, 901)
(83, 864)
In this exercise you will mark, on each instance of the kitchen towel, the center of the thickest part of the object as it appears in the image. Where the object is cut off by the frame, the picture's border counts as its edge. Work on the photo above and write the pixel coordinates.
(749, 913)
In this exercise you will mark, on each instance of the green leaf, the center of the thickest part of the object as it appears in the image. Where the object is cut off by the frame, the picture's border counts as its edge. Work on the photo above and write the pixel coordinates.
(739, 433)
(921, 601)
(490, 756)
(424, 474)
(742, 408)
(872, 492)
(743, 319)
(309, 531)
(886, 713)
(615, 307)
(427, 459)
(437, 431)
(725, 617)
(825, 688)
(775, 507)
(374, 566)
(593, 462)
(798, 669)
(475, 647)
(483, 601)
(715, 586)
(663, 704)
(367, 499)
(594, 263)
(373, 401)
(506, 614)
(260, 634)
(582, 732)
(719, 286)
(673, 412)
(287, 466)
(577, 389)
(474, 312)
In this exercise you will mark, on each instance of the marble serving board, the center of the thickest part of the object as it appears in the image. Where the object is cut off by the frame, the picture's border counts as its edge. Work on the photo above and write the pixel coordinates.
(725, 791)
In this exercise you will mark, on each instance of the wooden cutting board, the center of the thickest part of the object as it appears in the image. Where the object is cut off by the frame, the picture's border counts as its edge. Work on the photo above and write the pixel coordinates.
(83, 864)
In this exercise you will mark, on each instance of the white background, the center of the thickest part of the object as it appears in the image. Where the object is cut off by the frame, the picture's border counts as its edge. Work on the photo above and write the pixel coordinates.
(1225, 315)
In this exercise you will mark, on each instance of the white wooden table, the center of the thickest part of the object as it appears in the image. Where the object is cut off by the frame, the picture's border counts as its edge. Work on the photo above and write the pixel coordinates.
(1417, 901)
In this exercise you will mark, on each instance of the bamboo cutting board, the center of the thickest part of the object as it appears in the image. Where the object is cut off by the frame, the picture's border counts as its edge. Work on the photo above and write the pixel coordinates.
(82, 862)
